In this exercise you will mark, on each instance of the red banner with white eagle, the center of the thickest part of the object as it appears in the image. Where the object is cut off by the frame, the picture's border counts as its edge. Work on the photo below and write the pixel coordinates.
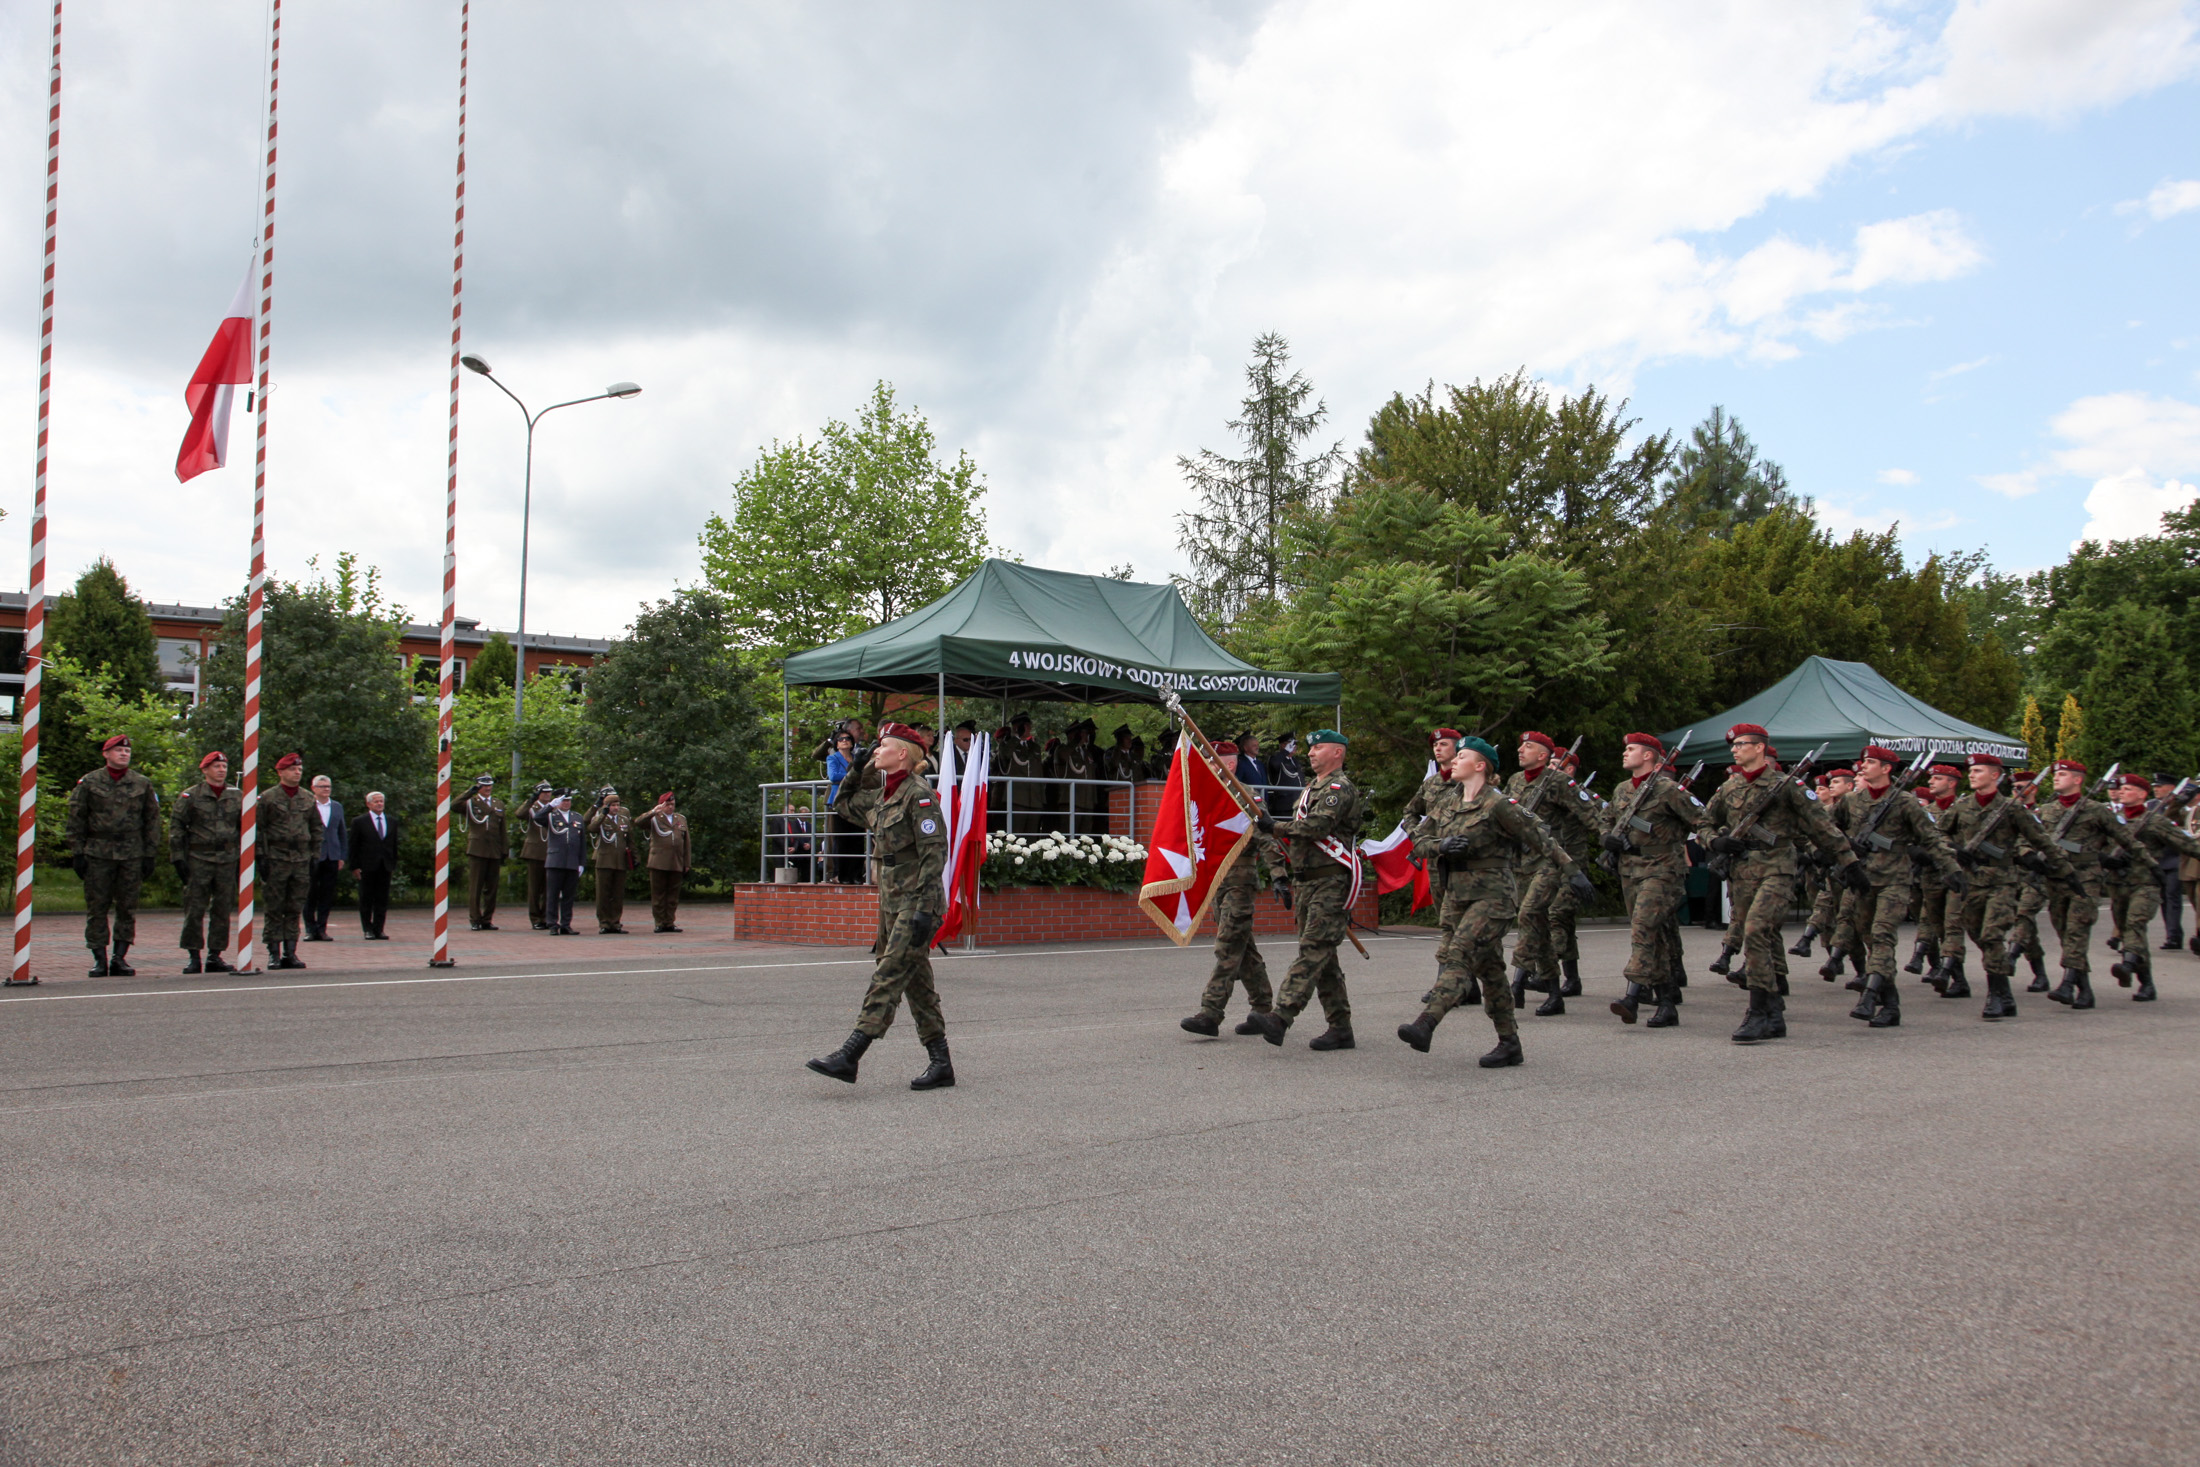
(1200, 832)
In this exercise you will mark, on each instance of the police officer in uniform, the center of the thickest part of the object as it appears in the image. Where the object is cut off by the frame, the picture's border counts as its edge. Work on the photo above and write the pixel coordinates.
(909, 834)
(1237, 956)
(114, 833)
(203, 841)
(1324, 860)
(483, 813)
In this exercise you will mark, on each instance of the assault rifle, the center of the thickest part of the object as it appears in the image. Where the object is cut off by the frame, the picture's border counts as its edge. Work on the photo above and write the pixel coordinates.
(1636, 824)
(1867, 838)
(1722, 862)
(1534, 801)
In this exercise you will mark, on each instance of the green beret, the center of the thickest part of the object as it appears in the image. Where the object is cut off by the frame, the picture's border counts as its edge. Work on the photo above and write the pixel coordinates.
(1480, 746)
(1328, 736)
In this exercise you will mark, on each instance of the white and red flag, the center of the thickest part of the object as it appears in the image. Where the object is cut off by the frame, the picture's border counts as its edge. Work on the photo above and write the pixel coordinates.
(964, 800)
(1200, 832)
(227, 363)
(1396, 867)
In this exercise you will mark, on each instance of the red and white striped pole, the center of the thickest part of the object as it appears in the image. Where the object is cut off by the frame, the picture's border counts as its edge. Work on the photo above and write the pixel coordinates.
(249, 786)
(34, 610)
(441, 956)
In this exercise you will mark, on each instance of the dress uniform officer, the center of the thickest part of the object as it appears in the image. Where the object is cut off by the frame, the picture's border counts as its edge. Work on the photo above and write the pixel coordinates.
(670, 856)
(203, 841)
(534, 851)
(114, 833)
(483, 813)
(611, 848)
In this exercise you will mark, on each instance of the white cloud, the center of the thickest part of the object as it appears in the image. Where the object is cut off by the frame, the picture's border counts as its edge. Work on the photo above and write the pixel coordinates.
(2128, 505)
(2015, 486)
(2117, 431)
(2169, 197)
(1897, 476)
(1944, 373)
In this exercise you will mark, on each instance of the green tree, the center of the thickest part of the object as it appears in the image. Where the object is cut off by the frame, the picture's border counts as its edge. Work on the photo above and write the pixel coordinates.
(1233, 541)
(2138, 710)
(494, 667)
(1719, 480)
(672, 707)
(826, 538)
(553, 738)
(2039, 748)
(99, 627)
(2070, 729)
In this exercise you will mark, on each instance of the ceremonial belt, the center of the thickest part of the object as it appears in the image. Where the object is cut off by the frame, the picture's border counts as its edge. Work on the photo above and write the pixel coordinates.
(1343, 854)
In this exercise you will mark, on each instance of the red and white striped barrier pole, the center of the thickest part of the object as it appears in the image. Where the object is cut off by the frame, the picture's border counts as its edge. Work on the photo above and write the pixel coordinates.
(441, 957)
(249, 785)
(34, 610)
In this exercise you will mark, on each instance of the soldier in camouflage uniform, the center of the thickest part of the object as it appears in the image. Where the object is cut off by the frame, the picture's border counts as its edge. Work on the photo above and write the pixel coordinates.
(1933, 905)
(1544, 791)
(114, 834)
(1435, 790)
(1579, 841)
(1889, 831)
(1237, 956)
(1763, 817)
(1323, 832)
(1473, 840)
(909, 836)
(289, 840)
(1646, 827)
(2135, 890)
(2089, 833)
(2024, 928)
(1985, 827)
(1833, 902)
(203, 840)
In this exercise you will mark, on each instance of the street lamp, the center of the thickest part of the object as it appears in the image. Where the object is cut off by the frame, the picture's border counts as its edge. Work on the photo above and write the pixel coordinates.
(527, 496)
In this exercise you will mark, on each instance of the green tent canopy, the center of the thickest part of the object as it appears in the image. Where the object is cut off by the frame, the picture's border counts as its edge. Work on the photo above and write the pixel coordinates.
(1014, 631)
(1846, 705)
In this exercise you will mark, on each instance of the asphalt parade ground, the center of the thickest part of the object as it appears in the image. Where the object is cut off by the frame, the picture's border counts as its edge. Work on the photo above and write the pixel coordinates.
(593, 1209)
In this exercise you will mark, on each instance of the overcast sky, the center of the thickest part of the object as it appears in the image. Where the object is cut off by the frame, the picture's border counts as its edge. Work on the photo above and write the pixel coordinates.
(1938, 258)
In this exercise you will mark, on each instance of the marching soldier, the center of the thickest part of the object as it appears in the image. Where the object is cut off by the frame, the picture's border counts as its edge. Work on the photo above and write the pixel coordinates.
(2024, 930)
(1325, 876)
(1474, 839)
(483, 813)
(2135, 890)
(114, 834)
(1985, 827)
(534, 850)
(1941, 783)
(203, 841)
(1436, 790)
(290, 835)
(1831, 901)
(1237, 956)
(670, 855)
(1578, 840)
(2085, 831)
(909, 833)
(1646, 827)
(611, 851)
(1544, 792)
(1890, 833)
(1763, 816)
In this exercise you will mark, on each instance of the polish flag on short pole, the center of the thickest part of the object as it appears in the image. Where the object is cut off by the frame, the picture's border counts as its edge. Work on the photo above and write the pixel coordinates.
(1199, 833)
(1395, 866)
(227, 363)
(964, 800)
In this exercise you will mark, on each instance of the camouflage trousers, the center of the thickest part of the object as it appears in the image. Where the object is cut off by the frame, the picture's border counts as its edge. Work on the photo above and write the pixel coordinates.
(283, 886)
(209, 900)
(1940, 915)
(1762, 893)
(1477, 910)
(2132, 909)
(1875, 919)
(1654, 893)
(1315, 972)
(1834, 915)
(2074, 916)
(1237, 956)
(1565, 906)
(1987, 913)
(904, 971)
(1538, 891)
(2024, 928)
(111, 887)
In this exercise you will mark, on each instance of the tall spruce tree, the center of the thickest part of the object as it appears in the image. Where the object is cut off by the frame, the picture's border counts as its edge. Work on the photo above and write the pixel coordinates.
(1719, 479)
(2138, 708)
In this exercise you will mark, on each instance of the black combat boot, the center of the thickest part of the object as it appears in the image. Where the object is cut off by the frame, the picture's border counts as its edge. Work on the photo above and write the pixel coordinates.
(116, 967)
(1333, 1038)
(1269, 1026)
(2122, 969)
(2067, 991)
(1890, 1007)
(1953, 983)
(2083, 998)
(1553, 1006)
(1246, 1024)
(1777, 1007)
(1570, 985)
(1520, 988)
(841, 1063)
(193, 965)
(940, 1073)
(1668, 1012)
(214, 963)
(1506, 1053)
(290, 955)
(1801, 946)
(1757, 1024)
(1836, 959)
(1925, 951)
(1629, 1002)
(1202, 1023)
(2146, 993)
(2000, 1002)
(1420, 1031)
(2116, 943)
(1869, 1003)
(1781, 982)
(1724, 963)
(99, 963)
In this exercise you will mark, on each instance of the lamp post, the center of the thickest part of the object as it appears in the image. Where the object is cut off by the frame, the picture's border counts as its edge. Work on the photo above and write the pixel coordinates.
(526, 504)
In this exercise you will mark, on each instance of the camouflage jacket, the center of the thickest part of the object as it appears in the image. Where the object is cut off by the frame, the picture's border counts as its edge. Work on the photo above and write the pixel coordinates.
(1245, 870)
(1989, 854)
(1784, 817)
(2084, 830)
(1499, 834)
(1655, 816)
(2160, 835)
(1424, 800)
(114, 819)
(206, 823)
(289, 826)
(1332, 807)
(1559, 803)
(1902, 834)
(908, 835)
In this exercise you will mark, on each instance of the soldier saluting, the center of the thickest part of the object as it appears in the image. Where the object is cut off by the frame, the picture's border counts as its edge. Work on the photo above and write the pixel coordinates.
(483, 813)
(202, 841)
(1325, 874)
(114, 833)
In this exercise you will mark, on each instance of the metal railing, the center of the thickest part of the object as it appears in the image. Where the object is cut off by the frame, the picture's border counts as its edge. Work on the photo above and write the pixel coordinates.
(796, 830)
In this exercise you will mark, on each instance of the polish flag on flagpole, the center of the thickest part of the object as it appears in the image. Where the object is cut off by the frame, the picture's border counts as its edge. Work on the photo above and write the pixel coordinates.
(228, 362)
(1200, 831)
(1395, 866)
(965, 803)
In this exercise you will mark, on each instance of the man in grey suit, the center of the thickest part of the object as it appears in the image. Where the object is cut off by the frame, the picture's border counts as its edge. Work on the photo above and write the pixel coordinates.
(335, 851)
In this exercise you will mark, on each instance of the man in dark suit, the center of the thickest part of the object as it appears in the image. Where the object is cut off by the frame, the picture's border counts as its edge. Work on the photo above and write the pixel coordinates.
(373, 858)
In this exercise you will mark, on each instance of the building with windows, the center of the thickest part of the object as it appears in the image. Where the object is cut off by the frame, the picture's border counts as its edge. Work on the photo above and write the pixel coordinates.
(184, 634)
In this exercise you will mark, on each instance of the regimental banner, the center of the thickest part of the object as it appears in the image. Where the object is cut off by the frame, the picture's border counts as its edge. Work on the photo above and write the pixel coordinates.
(1199, 833)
